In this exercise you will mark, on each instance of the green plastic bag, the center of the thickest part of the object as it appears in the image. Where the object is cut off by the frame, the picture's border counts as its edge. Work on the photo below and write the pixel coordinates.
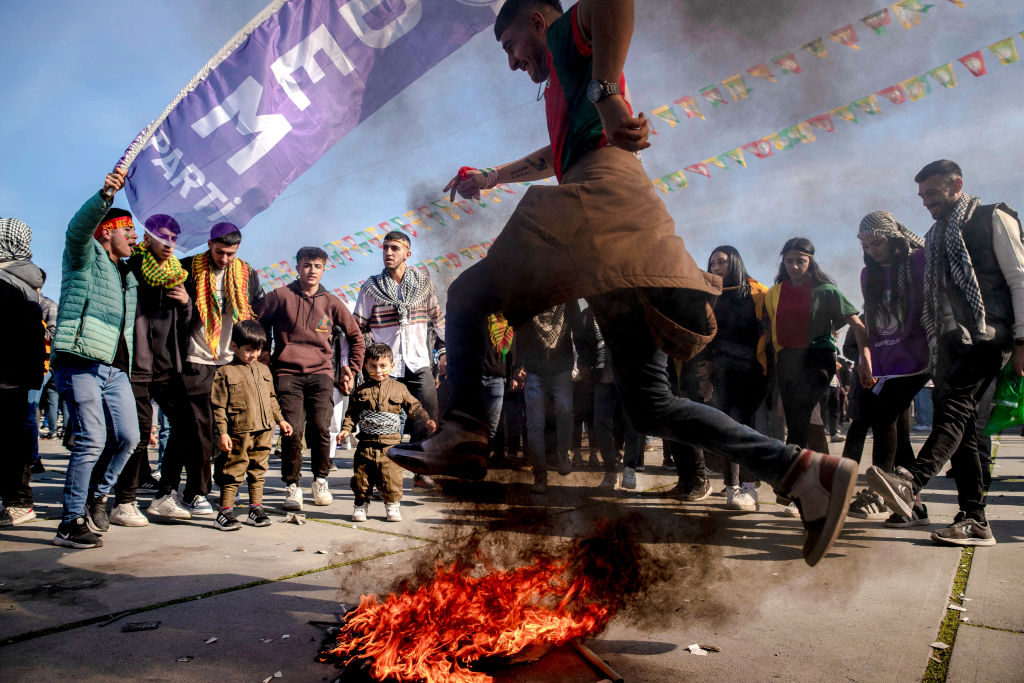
(1007, 402)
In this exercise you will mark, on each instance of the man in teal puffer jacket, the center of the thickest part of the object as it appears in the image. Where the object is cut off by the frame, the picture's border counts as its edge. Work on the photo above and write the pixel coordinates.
(92, 355)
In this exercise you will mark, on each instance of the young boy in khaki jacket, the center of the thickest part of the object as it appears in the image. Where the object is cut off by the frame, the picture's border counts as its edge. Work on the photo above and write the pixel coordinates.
(376, 408)
(245, 409)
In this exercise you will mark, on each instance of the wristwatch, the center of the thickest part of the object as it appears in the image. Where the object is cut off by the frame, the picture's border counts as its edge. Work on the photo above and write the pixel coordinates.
(598, 90)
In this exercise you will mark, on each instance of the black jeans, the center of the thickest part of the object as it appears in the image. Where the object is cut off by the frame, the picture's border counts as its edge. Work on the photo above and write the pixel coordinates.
(962, 374)
(739, 392)
(420, 384)
(882, 412)
(16, 456)
(307, 402)
(803, 375)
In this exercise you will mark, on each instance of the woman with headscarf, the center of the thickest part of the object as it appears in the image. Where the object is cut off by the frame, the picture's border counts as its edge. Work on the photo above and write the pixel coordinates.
(892, 283)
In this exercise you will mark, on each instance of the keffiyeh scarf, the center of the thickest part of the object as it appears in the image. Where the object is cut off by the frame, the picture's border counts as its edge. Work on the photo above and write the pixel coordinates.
(415, 287)
(236, 291)
(168, 274)
(501, 333)
(15, 240)
(884, 225)
(550, 326)
(945, 246)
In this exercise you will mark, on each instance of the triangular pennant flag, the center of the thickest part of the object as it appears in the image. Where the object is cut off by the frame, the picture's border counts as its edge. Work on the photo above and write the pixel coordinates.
(944, 75)
(846, 35)
(822, 122)
(433, 264)
(698, 168)
(779, 142)
(868, 105)
(716, 161)
(817, 47)
(894, 94)
(908, 12)
(787, 63)
(677, 179)
(1005, 51)
(762, 71)
(917, 88)
(975, 63)
(762, 148)
(736, 87)
(958, 3)
(666, 114)
(878, 21)
(800, 133)
(916, 5)
(737, 156)
(661, 185)
(713, 95)
(690, 107)
(845, 113)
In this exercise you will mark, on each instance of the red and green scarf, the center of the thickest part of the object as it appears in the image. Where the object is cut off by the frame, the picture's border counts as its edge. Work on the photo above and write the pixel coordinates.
(500, 332)
(236, 288)
(168, 274)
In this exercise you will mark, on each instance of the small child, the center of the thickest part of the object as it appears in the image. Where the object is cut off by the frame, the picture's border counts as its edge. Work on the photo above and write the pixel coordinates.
(245, 409)
(376, 407)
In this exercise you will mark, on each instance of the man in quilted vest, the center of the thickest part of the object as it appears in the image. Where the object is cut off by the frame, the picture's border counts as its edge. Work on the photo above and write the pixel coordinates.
(92, 355)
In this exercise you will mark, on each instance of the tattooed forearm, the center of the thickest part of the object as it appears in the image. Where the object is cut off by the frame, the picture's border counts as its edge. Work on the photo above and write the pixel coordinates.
(533, 167)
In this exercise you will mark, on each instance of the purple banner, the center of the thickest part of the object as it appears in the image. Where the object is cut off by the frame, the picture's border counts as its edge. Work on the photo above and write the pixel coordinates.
(304, 78)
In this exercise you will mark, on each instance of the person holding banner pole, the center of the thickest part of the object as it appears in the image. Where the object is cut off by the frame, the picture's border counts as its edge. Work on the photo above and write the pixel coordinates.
(602, 234)
(92, 355)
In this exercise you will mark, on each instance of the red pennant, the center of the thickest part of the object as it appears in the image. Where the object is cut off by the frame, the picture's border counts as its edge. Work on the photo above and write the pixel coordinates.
(822, 122)
(975, 63)
(698, 168)
(895, 94)
(762, 149)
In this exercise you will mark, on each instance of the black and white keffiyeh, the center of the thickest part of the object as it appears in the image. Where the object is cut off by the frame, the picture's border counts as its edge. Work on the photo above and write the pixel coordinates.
(945, 246)
(413, 290)
(550, 326)
(883, 224)
(15, 240)
(374, 423)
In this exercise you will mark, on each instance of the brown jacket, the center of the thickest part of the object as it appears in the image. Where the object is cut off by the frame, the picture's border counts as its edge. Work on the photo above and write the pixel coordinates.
(387, 400)
(301, 328)
(243, 399)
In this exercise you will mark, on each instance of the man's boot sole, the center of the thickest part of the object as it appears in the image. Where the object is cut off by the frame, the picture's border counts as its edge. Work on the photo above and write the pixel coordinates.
(844, 481)
(466, 461)
(879, 485)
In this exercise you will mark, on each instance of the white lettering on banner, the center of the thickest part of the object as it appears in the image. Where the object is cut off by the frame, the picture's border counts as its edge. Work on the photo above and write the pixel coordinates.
(191, 176)
(244, 102)
(303, 56)
(353, 13)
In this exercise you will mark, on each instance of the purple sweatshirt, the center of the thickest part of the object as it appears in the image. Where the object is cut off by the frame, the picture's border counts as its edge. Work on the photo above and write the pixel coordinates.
(899, 350)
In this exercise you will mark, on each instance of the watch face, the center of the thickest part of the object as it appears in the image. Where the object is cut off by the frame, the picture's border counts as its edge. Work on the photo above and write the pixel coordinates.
(594, 91)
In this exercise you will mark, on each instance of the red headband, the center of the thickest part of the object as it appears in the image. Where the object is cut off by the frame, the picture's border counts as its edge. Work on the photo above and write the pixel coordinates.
(114, 224)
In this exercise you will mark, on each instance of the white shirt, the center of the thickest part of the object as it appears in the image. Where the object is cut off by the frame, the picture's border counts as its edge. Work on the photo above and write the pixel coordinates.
(198, 349)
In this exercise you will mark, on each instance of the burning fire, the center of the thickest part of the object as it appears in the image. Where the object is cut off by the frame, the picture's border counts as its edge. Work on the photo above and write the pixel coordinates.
(436, 632)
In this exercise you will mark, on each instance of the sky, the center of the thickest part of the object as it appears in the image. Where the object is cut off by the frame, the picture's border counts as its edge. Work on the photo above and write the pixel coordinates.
(81, 79)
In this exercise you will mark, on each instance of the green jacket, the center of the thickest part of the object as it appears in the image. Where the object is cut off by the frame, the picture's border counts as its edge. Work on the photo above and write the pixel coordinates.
(93, 303)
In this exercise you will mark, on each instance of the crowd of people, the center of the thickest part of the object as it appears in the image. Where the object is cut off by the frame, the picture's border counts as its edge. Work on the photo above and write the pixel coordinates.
(565, 323)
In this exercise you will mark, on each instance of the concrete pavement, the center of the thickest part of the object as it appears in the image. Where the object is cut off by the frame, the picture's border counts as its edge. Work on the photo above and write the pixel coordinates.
(868, 612)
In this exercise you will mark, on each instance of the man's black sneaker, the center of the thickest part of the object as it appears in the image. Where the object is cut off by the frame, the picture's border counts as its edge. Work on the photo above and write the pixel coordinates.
(258, 516)
(919, 518)
(896, 489)
(965, 531)
(96, 514)
(37, 467)
(694, 493)
(76, 534)
(226, 521)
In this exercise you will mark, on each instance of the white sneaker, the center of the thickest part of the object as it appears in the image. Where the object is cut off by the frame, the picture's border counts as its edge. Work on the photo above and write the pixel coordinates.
(742, 498)
(169, 507)
(393, 513)
(359, 513)
(128, 514)
(321, 492)
(12, 516)
(791, 510)
(293, 499)
(200, 507)
(628, 478)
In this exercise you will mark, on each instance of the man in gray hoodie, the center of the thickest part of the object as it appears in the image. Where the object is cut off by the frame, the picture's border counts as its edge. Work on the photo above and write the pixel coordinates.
(22, 352)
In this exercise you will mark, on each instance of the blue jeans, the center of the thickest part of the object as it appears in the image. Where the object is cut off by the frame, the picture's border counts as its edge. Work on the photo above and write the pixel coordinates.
(494, 397)
(49, 392)
(538, 389)
(32, 424)
(99, 398)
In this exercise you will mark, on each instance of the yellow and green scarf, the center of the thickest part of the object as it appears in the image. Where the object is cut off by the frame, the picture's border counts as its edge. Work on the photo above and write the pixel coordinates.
(236, 288)
(500, 332)
(168, 274)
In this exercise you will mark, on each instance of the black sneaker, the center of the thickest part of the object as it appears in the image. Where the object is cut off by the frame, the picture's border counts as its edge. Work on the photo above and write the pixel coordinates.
(37, 467)
(76, 534)
(258, 516)
(695, 493)
(919, 518)
(965, 531)
(896, 489)
(226, 521)
(96, 514)
(867, 505)
(150, 485)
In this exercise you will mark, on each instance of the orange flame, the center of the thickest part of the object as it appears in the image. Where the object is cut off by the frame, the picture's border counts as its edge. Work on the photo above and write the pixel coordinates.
(435, 632)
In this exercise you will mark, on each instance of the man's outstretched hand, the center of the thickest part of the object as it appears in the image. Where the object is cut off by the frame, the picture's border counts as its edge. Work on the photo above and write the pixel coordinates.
(467, 184)
(113, 182)
(621, 128)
